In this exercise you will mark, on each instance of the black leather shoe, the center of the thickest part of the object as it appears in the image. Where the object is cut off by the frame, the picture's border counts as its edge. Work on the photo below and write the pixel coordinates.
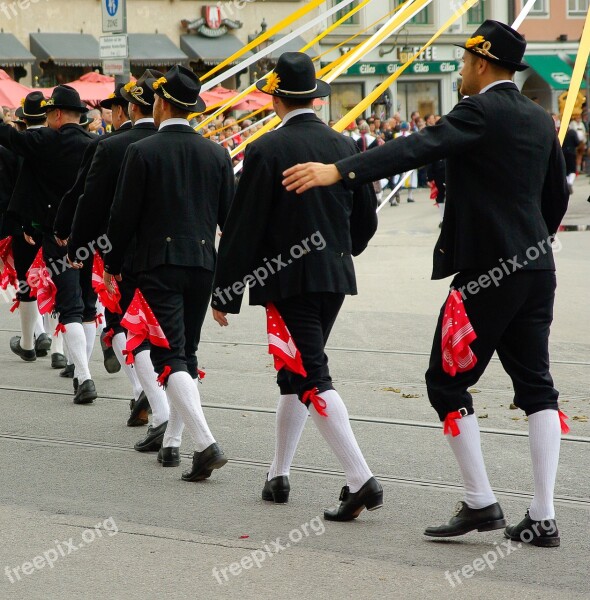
(110, 360)
(370, 496)
(276, 490)
(169, 457)
(26, 355)
(42, 345)
(75, 384)
(204, 463)
(153, 440)
(85, 393)
(139, 411)
(537, 533)
(67, 372)
(467, 519)
(58, 361)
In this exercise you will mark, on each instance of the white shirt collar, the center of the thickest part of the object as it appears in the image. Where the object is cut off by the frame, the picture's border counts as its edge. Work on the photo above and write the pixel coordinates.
(129, 121)
(174, 121)
(35, 127)
(296, 112)
(494, 84)
(144, 120)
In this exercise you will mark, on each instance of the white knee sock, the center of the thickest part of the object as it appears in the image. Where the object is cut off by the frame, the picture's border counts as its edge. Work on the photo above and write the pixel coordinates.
(100, 311)
(57, 343)
(571, 178)
(29, 317)
(155, 394)
(90, 334)
(39, 325)
(173, 435)
(66, 349)
(76, 341)
(119, 343)
(290, 421)
(184, 396)
(544, 442)
(336, 430)
(467, 449)
(441, 210)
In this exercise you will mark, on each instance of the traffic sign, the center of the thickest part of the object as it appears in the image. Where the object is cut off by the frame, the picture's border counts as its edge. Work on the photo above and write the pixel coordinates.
(115, 67)
(114, 46)
(114, 16)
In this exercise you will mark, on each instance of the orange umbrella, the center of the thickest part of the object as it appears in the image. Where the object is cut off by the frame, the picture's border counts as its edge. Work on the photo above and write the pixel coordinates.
(94, 87)
(11, 92)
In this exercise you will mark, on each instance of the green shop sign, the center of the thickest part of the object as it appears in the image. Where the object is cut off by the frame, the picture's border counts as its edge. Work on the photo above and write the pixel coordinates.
(435, 67)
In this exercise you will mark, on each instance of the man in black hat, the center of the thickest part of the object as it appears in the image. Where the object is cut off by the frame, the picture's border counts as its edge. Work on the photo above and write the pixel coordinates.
(65, 216)
(91, 222)
(56, 150)
(174, 188)
(329, 227)
(506, 196)
(33, 340)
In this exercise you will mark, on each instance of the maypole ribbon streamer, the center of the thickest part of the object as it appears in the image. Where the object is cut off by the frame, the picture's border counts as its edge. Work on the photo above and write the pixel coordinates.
(577, 77)
(407, 12)
(278, 44)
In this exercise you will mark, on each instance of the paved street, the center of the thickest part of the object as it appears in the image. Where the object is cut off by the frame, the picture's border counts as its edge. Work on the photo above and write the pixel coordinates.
(67, 468)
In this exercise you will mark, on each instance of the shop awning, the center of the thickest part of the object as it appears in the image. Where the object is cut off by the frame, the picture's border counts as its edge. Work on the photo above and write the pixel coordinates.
(66, 49)
(12, 52)
(211, 51)
(294, 45)
(556, 72)
(154, 49)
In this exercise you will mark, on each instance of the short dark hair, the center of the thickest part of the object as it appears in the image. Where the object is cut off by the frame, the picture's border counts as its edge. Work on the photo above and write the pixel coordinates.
(146, 111)
(179, 113)
(34, 120)
(295, 103)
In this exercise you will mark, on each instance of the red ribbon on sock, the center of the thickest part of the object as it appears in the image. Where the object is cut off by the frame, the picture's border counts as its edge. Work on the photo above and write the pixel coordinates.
(565, 428)
(163, 377)
(15, 305)
(98, 320)
(61, 328)
(318, 402)
(450, 424)
(107, 338)
(201, 374)
(129, 357)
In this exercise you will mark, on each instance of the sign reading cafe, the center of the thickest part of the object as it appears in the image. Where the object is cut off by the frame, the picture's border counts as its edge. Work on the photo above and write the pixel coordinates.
(416, 68)
(211, 23)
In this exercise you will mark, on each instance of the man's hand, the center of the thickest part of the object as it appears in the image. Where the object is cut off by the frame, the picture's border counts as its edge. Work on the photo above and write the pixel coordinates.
(61, 242)
(29, 239)
(109, 281)
(301, 178)
(75, 264)
(220, 317)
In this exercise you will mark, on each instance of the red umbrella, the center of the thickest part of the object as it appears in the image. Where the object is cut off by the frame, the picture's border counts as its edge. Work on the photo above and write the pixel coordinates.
(255, 100)
(11, 92)
(94, 87)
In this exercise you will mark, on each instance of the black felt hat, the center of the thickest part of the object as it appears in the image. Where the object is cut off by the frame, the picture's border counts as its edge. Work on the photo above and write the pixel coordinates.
(114, 98)
(181, 87)
(32, 106)
(498, 43)
(294, 77)
(141, 92)
(67, 98)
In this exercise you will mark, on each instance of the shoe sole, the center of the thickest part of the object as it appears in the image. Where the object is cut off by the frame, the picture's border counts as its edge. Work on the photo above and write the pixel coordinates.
(278, 497)
(86, 398)
(217, 464)
(139, 419)
(153, 446)
(169, 463)
(375, 502)
(488, 526)
(547, 542)
(112, 365)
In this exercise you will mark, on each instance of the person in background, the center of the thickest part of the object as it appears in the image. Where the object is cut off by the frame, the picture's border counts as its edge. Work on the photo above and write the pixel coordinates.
(570, 152)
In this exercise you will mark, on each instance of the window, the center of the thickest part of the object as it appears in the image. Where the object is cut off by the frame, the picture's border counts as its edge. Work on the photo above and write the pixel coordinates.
(577, 8)
(422, 18)
(354, 20)
(540, 8)
(476, 14)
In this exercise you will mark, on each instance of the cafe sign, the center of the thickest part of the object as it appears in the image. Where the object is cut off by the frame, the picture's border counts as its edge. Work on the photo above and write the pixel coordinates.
(435, 67)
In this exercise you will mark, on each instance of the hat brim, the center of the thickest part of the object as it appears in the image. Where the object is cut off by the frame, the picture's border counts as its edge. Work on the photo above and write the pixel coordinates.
(502, 63)
(129, 98)
(322, 90)
(110, 102)
(198, 107)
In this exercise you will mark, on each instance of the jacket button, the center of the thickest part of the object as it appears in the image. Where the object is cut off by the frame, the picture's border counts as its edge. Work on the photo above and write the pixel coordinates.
(203, 242)
(49, 206)
(341, 254)
(168, 239)
(352, 175)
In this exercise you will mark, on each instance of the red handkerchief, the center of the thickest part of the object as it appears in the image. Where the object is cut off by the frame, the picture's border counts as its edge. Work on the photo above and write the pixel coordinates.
(281, 344)
(41, 284)
(8, 272)
(108, 300)
(457, 334)
(141, 324)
